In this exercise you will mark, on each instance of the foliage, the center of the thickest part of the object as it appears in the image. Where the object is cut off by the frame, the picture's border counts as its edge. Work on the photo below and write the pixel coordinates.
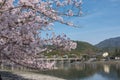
(83, 48)
(112, 46)
(113, 51)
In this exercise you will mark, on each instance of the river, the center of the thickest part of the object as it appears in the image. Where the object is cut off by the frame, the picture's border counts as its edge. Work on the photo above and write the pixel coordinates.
(91, 71)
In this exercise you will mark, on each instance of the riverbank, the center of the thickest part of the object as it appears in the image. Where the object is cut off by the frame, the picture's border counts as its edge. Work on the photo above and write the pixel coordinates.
(36, 75)
(104, 62)
(21, 75)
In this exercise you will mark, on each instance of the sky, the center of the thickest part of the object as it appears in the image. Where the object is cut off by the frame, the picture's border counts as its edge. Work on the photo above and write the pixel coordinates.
(100, 21)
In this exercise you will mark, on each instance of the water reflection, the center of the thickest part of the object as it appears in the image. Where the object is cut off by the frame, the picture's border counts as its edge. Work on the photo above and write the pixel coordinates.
(87, 72)
(106, 68)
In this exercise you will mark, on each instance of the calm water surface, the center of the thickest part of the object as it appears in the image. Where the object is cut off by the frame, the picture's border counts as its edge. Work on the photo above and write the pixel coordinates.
(86, 72)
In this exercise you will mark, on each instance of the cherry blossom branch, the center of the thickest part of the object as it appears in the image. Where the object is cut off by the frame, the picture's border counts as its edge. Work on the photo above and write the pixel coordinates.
(3, 3)
(21, 25)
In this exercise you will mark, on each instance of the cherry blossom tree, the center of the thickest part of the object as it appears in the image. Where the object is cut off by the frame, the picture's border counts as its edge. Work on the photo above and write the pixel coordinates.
(21, 23)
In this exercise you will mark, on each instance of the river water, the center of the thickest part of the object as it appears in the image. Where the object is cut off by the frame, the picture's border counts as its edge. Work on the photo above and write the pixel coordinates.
(91, 71)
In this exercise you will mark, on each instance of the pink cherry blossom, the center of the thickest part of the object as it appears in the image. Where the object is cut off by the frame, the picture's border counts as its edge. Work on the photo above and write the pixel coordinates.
(21, 25)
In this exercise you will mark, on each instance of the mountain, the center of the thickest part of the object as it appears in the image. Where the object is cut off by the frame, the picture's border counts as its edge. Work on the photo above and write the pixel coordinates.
(82, 48)
(109, 43)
